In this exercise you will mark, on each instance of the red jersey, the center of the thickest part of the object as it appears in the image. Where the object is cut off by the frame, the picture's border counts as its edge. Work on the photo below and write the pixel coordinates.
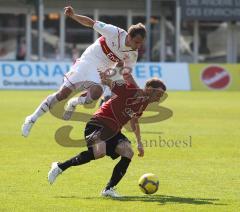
(123, 106)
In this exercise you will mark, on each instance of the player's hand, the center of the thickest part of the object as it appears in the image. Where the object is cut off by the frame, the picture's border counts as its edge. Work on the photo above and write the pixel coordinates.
(68, 11)
(127, 74)
(104, 77)
(140, 150)
(106, 74)
(120, 64)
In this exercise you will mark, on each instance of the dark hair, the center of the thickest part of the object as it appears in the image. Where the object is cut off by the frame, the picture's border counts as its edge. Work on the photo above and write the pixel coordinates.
(156, 83)
(137, 29)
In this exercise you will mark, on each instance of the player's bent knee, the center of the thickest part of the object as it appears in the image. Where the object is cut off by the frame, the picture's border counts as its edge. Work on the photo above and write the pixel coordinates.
(96, 92)
(126, 152)
(99, 155)
(63, 94)
(129, 153)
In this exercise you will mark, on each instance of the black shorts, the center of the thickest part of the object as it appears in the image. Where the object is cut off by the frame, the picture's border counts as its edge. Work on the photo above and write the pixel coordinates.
(111, 143)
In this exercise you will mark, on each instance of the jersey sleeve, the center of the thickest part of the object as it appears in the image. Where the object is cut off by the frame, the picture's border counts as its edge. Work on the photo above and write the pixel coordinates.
(119, 87)
(106, 30)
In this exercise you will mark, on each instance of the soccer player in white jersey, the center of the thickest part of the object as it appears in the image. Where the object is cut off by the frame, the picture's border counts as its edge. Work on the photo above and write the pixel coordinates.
(115, 46)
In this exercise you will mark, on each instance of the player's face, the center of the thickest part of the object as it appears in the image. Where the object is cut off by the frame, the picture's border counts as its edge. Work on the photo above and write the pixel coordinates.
(135, 42)
(155, 94)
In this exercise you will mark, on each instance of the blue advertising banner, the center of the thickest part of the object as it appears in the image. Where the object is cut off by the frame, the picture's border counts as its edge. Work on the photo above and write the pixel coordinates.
(49, 75)
(32, 75)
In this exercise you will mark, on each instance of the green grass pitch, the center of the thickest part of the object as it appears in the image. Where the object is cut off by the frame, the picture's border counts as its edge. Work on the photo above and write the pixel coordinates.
(201, 174)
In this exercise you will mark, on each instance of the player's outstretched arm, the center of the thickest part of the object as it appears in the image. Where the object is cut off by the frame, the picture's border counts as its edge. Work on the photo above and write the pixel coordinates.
(126, 72)
(84, 20)
(136, 128)
(129, 78)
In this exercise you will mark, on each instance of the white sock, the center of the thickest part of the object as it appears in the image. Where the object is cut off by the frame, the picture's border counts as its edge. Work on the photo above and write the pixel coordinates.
(44, 106)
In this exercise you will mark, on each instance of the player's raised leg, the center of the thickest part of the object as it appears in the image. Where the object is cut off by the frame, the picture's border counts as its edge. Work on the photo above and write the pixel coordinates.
(44, 107)
(57, 167)
(71, 80)
(96, 150)
(93, 93)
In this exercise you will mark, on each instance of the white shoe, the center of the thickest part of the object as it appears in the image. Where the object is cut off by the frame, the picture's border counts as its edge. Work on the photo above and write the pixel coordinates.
(54, 172)
(27, 126)
(110, 193)
(69, 110)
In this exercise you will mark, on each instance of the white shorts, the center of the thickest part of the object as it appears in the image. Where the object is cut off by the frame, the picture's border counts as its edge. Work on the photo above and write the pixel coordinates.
(74, 80)
(83, 71)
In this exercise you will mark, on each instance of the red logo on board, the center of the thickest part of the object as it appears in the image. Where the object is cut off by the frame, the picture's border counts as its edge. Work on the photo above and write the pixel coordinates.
(215, 77)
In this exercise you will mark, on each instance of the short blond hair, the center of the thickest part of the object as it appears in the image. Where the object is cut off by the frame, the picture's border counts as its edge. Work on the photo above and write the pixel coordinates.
(137, 29)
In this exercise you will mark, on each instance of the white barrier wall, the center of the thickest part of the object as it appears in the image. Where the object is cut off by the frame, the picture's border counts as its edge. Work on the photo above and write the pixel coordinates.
(49, 75)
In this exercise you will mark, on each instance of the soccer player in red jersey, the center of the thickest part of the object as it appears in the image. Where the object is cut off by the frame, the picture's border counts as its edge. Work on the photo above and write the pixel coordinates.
(103, 132)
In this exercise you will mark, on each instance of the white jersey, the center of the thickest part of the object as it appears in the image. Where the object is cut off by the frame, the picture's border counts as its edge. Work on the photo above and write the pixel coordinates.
(115, 40)
(94, 59)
